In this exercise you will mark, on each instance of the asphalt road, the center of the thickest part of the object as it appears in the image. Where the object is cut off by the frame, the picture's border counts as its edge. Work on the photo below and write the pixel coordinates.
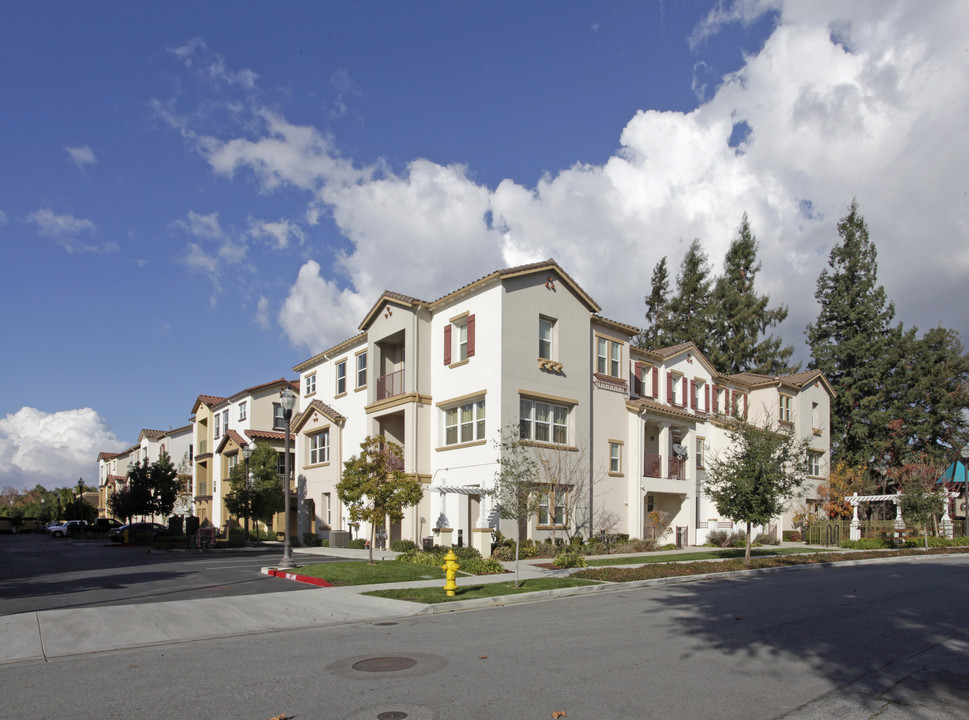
(38, 572)
(886, 640)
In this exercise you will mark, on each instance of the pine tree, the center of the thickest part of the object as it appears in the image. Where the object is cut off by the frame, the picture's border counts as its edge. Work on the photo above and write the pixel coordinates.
(741, 317)
(851, 342)
(654, 335)
(689, 310)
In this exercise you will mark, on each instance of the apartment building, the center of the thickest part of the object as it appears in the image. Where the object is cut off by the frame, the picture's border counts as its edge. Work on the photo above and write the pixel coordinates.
(623, 434)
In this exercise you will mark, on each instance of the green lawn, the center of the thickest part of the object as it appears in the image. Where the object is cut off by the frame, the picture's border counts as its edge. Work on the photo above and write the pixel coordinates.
(469, 592)
(721, 554)
(360, 573)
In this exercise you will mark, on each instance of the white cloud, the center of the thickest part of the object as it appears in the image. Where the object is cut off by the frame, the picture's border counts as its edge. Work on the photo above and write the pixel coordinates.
(211, 66)
(66, 229)
(52, 448)
(215, 250)
(862, 100)
(279, 231)
(262, 313)
(3, 218)
(82, 156)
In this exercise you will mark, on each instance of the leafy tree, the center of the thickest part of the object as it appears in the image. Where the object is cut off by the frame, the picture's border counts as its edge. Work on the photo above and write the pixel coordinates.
(689, 310)
(843, 481)
(920, 500)
(656, 332)
(741, 317)
(265, 497)
(374, 487)
(760, 472)
(851, 342)
(153, 488)
(516, 483)
(121, 504)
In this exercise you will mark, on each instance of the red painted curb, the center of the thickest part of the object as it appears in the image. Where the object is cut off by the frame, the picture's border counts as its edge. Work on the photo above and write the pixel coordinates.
(299, 578)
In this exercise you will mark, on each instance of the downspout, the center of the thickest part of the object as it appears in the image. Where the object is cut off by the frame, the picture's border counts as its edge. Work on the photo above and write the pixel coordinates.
(592, 426)
(417, 406)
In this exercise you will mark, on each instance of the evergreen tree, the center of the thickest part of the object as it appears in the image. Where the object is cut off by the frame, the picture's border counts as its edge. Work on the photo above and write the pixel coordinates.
(264, 497)
(852, 341)
(741, 317)
(656, 332)
(689, 310)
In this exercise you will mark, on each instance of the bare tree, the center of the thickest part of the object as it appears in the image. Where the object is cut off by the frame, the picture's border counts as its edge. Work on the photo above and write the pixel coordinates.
(569, 473)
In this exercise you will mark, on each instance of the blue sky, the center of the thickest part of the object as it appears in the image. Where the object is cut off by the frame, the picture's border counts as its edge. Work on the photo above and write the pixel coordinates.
(195, 196)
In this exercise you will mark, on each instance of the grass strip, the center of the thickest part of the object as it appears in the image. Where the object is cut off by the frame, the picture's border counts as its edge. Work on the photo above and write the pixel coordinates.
(434, 595)
(360, 573)
(725, 553)
(680, 569)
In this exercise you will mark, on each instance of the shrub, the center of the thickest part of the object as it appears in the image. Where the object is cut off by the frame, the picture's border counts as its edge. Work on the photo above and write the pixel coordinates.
(717, 538)
(766, 539)
(324, 542)
(481, 566)
(402, 546)
(529, 549)
(358, 544)
(737, 539)
(937, 542)
(633, 546)
(792, 536)
(867, 544)
(669, 546)
(569, 560)
(310, 540)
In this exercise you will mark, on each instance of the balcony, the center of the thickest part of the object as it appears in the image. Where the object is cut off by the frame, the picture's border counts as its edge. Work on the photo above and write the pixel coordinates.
(390, 385)
(653, 467)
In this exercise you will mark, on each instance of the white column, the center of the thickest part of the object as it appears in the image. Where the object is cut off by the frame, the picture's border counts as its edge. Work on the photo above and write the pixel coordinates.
(855, 532)
(664, 450)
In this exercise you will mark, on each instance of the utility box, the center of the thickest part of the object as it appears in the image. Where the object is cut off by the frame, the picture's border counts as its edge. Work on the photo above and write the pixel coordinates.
(339, 538)
(682, 536)
(428, 543)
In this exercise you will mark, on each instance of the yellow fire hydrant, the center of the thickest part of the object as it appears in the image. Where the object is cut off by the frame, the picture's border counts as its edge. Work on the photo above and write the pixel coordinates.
(450, 568)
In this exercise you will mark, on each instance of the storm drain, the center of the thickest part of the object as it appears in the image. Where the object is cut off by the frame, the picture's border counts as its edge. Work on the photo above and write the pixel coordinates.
(384, 664)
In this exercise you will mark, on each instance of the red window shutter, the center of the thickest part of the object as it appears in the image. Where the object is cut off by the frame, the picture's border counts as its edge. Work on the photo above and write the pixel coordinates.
(716, 399)
(706, 398)
(733, 402)
(693, 394)
(669, 388)
(686, 390)
(745, 405)
(447, 344)
(470, 335)
(655, 382)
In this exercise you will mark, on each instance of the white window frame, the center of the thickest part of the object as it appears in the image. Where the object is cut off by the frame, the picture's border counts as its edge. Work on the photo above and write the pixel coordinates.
(243, 410)
(553, 507)
(700, 453)
(464, 423)
(785, 413)
(319, 447)
(546, 338)
(341, 377)
(310, 384)
(615, 457)
(677, 381)
(217, 425)
(360, 373)
(815, 458)
(543, 421)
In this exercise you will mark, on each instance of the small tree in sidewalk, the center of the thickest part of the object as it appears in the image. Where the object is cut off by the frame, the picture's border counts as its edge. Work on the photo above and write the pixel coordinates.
(374, 487)
(516, 483)
(762, 470)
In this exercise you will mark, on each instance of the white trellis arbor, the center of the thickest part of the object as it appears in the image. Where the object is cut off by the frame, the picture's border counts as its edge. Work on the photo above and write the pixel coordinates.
(855, 533)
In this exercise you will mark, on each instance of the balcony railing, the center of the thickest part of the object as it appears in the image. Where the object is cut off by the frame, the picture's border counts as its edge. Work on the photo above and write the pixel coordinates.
(653, 467)
(390, 385)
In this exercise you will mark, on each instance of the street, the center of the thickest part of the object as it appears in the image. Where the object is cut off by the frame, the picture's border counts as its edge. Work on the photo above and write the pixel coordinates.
(886, 640)
(38, 572)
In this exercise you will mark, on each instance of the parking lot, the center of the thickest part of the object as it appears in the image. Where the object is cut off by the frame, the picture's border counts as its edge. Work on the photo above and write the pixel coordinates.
(38, 572)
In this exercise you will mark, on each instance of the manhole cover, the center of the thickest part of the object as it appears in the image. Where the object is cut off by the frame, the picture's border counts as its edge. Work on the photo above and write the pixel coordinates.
(384, 624)
(384, 664)
(392, 715)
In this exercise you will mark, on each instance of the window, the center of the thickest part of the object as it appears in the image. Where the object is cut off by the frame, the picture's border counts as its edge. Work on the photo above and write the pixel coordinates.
(464, 423)
(243, 411)
(341, 377)
(815, 427)
(281, 464)
(785, 415)
(700, 396)
(552, 506)
(544, 422)
(615, 457)
(546, 329)
(310, 384)
(216, 426)
(814, 464)
(361, 370)
(319, 447)
(225, 421)
(459, 339)
(674, 395)
(608, 357)
(279, 421)
(231, 462)
(325, 510)
(699, 454)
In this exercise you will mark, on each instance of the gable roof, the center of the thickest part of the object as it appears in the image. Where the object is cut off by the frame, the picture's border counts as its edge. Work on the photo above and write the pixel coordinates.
(234, 437)
(209, 401)
(151, 434)
(293, 385)
(320, 356)
(316, 406)
(793, 380)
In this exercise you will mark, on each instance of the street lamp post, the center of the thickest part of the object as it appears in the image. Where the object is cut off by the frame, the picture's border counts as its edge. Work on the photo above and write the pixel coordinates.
(246, 454)
(80, 498)
(965, 475)
(287, 398)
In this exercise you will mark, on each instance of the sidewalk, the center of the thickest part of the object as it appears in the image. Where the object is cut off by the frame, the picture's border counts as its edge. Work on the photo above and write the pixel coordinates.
(38, 636)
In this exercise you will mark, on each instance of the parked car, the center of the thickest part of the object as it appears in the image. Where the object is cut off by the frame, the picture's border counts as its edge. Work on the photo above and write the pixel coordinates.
(71, 527)
(118, 533)
(104, 525)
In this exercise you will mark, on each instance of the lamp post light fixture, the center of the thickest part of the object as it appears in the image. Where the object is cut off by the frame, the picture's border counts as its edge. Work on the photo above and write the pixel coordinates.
(246, 454)
(287, 398)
